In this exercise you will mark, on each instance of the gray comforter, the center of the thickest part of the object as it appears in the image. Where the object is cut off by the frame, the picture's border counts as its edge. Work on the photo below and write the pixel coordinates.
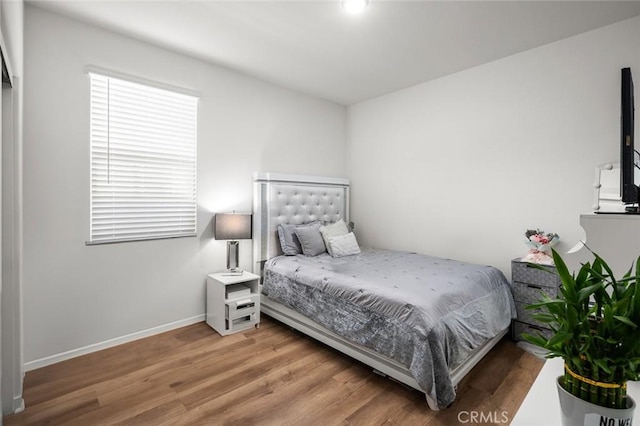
(424, 312)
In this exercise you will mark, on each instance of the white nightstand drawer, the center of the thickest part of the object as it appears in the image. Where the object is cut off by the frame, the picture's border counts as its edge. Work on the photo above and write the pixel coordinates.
(241, 307)
(246, 321)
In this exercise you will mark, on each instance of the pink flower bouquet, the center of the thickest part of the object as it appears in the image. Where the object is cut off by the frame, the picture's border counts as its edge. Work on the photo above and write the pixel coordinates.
(539, 244)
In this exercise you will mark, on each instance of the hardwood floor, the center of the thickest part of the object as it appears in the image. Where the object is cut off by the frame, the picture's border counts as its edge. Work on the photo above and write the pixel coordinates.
(268, 376)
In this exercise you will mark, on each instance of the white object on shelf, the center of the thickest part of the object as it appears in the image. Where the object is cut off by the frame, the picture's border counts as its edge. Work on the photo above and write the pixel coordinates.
(235, 291)
(233, 302)
(606, 194)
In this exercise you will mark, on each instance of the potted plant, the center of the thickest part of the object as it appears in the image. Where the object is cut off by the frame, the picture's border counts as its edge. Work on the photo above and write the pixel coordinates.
(594, 326)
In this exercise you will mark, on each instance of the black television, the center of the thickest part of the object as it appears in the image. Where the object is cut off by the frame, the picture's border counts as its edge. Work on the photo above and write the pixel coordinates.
(629, 157)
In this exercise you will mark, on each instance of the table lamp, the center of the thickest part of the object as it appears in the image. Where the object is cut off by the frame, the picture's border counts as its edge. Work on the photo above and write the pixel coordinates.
(232, 227)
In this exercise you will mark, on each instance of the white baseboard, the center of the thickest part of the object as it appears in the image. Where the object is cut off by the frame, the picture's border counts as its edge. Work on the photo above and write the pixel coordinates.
(43, 362)
(18, 403)
(16, 407)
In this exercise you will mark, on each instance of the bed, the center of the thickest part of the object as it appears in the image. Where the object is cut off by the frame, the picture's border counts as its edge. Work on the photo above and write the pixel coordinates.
(421, 320)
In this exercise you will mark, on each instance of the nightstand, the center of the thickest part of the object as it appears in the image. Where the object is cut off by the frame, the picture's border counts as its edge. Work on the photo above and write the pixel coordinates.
(528, 283)
(233, 302)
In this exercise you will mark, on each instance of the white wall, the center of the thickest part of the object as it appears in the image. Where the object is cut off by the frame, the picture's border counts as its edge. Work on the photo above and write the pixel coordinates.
(461, 166)
(75, 295)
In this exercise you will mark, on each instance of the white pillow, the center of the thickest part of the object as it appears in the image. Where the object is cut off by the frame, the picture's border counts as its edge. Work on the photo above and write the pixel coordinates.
(334, 230)
(344, 245)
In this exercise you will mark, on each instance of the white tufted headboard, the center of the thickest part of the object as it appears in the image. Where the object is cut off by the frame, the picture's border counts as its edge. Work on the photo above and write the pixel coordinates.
(291, 199)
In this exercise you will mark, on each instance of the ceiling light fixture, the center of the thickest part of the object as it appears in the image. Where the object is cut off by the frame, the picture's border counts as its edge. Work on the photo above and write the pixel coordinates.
(355, 7)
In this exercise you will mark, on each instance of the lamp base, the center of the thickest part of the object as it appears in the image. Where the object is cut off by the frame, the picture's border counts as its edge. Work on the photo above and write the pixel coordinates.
(232, 256)
(233, 272)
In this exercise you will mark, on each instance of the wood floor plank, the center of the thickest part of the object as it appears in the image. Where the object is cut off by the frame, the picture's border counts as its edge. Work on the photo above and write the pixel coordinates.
(272, 375)
(328, 403)
(167, 413)
(134, 362)
(247, 392)
(226, 382)
(509, 395)
(197, 375)
(389, 408)
(491, 371)
(64, 407)
(286, 400)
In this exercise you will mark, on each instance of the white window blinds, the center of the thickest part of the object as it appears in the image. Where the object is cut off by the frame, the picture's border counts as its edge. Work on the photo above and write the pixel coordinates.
(143, 162)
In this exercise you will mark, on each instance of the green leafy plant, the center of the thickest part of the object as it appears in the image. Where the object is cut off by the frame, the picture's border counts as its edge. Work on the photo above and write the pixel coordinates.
(595, 328)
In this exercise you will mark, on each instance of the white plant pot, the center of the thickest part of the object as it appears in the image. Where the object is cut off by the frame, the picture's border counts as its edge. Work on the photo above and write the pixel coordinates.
(577, 412)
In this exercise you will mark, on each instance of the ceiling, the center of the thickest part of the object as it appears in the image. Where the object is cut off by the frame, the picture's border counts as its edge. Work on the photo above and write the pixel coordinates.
(316, 48)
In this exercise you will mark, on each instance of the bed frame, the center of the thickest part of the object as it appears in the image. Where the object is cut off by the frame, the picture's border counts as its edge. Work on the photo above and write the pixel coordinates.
(292, 199)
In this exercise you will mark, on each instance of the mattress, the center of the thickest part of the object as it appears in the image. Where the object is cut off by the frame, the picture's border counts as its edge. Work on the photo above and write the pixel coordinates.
(424, 312)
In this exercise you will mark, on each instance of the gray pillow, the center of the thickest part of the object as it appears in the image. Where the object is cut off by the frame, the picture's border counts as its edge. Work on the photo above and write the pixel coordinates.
(288, 240)
(311, 240)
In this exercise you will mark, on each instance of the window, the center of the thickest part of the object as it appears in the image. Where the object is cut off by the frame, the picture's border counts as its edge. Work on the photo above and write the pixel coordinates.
(143, 162)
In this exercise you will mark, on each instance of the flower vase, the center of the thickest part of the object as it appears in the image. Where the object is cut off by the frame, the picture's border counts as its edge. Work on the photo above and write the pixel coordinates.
(577, 412)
